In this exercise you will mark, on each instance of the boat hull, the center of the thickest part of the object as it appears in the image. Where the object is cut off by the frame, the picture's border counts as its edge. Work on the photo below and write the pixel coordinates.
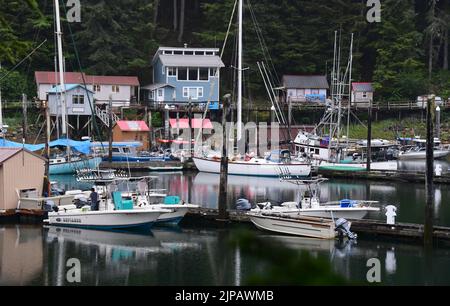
(422, 155)
(253, 169)
(346, 213)
(72, 167)
(105, 219)
(137, 159)
(379, 166)
(306, 227)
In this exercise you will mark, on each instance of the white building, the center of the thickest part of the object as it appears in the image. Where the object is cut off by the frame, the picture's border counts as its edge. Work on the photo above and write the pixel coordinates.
(122, 89)
(305, 88)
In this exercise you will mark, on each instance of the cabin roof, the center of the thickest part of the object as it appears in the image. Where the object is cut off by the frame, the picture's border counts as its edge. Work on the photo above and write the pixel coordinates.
(68, 87)
(191, 60)
(183, 123)
(50, 77)
(362, 87)
(133, 126)
(305, 81)
(7, 153)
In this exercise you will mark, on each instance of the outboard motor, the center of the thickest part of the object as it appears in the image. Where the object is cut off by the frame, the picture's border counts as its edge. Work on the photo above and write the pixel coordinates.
(343, 229)
(50, 206)
(243, 204)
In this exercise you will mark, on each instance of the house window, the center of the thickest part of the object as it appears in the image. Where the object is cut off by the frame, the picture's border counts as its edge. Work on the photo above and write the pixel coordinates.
(171, 71)
(96, 87)
(203, 74)
(212, 72)
(78, 99)
(152, 95)
(364, 94)
(209, 53)
(193, 74)
(192, 92)
(182, 74)
(160, 92)
(115, 88)
(178, 52)
(188, 52)
(199, 53)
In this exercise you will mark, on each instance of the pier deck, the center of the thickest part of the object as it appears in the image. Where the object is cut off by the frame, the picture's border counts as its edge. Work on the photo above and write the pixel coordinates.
(207, 216)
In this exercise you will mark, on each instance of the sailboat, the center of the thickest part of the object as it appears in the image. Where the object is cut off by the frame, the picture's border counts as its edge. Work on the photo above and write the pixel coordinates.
(66, 164)
(276, 161)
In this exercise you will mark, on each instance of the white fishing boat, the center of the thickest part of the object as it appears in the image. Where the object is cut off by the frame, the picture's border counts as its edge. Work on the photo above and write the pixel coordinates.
(271, 166)
(321, 228)
(119, 214)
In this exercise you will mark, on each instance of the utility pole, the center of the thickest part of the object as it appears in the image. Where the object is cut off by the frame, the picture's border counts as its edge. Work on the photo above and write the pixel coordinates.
(110, 119)
(223, 214)
(428, 226)
(369, 137)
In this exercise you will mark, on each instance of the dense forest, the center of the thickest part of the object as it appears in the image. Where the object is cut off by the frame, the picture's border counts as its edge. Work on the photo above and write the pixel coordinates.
(406, 54)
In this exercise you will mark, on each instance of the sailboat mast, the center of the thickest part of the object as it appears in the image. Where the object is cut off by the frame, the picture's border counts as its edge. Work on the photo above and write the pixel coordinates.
(1, 106)
(350, 87)
(239, 85)
(61, 69)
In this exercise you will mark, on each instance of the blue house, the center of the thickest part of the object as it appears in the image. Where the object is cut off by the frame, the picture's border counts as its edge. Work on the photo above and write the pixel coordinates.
(185, 74)
(77, 100)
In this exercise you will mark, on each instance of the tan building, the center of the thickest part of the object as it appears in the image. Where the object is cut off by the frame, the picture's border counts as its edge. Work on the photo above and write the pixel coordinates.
(131, 131)
(19, 170)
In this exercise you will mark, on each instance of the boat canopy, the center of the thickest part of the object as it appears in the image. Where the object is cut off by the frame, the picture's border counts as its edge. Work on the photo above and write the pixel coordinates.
(80, 146)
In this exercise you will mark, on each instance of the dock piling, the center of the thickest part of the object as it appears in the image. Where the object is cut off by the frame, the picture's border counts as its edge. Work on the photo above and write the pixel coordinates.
(428, 225)
(223, 214)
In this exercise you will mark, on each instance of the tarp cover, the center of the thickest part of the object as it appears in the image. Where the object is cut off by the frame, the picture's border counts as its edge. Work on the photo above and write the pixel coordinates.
(80, 146)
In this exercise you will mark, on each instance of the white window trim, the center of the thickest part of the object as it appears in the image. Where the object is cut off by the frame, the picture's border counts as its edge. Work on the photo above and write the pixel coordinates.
(186, 90)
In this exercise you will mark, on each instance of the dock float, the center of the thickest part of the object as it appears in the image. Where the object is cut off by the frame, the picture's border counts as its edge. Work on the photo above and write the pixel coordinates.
(366, 227)
(395, 176)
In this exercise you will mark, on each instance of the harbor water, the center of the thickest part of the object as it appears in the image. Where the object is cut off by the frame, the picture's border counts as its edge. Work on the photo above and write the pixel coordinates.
(37, 255)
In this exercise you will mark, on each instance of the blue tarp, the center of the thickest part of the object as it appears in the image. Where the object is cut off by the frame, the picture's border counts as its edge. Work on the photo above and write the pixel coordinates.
(80, 146)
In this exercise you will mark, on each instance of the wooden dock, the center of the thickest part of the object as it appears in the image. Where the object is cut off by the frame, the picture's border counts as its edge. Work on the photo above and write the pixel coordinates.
(364, 227)
(396, 176)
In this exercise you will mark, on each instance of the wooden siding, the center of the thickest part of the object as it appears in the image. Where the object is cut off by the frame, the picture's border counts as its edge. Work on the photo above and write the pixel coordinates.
(119, 135)
(22, 171)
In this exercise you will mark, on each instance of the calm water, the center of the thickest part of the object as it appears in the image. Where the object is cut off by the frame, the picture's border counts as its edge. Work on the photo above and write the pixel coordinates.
(36, 255)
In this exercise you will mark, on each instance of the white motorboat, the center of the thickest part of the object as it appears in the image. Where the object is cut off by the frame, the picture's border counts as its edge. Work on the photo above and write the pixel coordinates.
(308, 204)
(116, 215)
(418, 150)
(390, 165)
(276, 162)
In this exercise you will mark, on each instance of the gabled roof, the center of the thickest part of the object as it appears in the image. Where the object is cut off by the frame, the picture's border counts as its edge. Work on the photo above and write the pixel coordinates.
(132, 126)
(50, 77)
(362, 87)
(156, 86)
(305, 81)
(191, 60)
(68, 87)
(7, 153)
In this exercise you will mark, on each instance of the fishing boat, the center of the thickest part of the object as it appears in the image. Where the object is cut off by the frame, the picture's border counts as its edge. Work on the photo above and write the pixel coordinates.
(418, 150)
(278, 160)
(308, 204)
(313, 227)
(127, 151)
(122, 215)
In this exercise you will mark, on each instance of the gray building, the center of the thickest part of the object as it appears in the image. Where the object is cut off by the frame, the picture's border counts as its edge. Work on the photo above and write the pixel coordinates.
(77, 100)
(305, 88)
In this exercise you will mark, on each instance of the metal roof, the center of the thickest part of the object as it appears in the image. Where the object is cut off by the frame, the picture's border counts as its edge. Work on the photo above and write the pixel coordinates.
(133, 126)
(156, 86)
(7, 153)
(49, 77)
(362, 87)
(68, 87)
(305, 81)
(191, 60)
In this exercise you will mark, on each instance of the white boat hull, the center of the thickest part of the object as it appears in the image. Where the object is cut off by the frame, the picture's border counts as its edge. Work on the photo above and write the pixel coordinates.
(422, 155)
(176, 214)
(336, 213)
(253, 168)
(302, 226)
(104, 219)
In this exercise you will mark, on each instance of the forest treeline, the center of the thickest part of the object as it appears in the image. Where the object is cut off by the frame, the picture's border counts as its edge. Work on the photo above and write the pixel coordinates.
(406, 54)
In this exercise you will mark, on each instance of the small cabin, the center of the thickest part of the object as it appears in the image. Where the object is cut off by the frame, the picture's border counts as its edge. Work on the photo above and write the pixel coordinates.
(362, 94)
(126, 130)
(305, 88)
(79, 100)
(185, 74)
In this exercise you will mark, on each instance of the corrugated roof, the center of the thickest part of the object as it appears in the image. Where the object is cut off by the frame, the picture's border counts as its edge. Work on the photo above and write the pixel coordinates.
(191, 61)
(49, 77)
(196, 123)
(305, 81)
(362, 87)
(133, 126)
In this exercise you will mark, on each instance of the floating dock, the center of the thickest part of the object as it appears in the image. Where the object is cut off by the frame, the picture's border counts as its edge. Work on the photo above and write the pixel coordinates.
(365, 227)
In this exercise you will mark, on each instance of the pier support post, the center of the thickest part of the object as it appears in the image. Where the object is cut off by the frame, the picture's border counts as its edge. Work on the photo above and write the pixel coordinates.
(438, 122)
(369, 137)
(110, 133)
(223, 185)
(428, 226)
